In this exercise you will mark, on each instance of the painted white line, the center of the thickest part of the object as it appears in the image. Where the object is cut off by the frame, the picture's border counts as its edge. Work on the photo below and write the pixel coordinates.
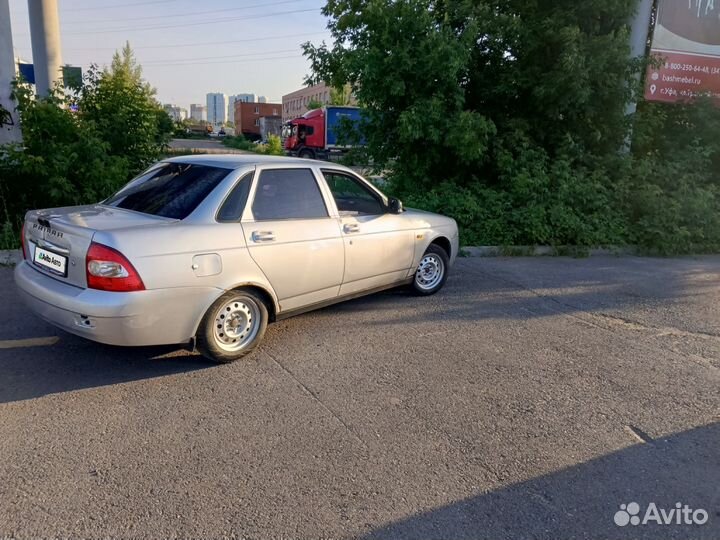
(31, 342)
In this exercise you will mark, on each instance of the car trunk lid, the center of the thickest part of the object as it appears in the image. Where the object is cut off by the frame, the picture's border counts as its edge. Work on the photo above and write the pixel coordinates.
(57, 240)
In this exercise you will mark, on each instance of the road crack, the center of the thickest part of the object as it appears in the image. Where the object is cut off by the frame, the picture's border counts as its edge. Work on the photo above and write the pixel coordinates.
(605, 322)
(315, 397)
(660, 331)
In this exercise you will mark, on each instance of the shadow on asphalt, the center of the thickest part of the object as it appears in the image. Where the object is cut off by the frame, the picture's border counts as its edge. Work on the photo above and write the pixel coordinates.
(475, 291)
(581, 501)
(479, 292)
(27, 373)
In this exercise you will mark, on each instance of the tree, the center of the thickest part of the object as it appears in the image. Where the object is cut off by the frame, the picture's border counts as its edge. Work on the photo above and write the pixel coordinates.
(70, 158)
(495, 111)
(341, 95)
(314, 104)
(123, 107)
(62, 161)
(124, 65)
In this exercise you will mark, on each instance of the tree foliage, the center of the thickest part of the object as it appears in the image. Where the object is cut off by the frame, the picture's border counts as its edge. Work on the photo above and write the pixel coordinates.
(78, 148)
(314, 104)
(63, 160)
(123, 108)
(507, 114)
(341, 96)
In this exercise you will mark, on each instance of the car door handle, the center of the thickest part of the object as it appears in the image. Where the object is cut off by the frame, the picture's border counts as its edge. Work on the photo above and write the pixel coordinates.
(263, 236)
(351, 228)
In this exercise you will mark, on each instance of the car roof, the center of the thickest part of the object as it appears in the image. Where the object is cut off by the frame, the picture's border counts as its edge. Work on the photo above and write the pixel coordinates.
(236, 161)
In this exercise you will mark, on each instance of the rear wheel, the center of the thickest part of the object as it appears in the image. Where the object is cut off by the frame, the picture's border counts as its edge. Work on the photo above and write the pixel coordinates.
(233, 326)
(432, 272)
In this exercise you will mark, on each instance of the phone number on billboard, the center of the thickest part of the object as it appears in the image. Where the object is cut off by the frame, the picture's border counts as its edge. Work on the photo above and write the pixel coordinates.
(675, 66)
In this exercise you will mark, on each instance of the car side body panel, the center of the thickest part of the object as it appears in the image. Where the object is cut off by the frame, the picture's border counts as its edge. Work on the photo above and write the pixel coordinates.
(303, 263)
(302, 259)
(378, 250)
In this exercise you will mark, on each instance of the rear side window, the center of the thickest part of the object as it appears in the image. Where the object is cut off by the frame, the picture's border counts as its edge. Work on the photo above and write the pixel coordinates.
(232, 208)
(288, 194)
(172, 190)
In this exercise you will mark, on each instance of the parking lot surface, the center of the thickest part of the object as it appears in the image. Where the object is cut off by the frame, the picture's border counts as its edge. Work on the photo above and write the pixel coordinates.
(528, 399)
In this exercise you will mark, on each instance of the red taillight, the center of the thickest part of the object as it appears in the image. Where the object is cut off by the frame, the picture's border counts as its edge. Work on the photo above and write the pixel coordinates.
(108, 270)
(22, 240)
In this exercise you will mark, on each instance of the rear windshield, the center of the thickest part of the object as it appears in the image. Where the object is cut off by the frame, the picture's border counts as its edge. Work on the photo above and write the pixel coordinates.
(171, 190)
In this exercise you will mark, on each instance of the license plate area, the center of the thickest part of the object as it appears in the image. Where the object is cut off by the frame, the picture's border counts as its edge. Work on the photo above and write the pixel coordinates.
(49, 260)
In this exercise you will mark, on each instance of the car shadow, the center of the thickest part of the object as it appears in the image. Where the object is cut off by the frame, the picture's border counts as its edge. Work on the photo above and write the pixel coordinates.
(76, 364)
(61, 362)
(582, 501)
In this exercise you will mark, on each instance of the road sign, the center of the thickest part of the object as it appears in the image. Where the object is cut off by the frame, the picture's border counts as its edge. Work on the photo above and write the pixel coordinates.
(687, 43)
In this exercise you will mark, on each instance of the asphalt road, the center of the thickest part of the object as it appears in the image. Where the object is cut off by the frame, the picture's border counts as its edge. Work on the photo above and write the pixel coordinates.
(529, 399)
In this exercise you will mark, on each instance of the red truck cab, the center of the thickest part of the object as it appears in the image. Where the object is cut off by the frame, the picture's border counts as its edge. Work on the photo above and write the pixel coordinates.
(305, 136)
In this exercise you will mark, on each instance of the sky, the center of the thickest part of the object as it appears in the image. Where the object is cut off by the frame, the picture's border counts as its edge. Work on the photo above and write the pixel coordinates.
(188, 48)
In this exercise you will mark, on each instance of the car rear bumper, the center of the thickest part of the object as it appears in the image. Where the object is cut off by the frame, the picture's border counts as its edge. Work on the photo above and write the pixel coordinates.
(151, 317)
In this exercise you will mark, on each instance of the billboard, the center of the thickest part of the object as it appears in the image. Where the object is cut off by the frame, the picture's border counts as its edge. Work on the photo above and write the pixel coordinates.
(687, 40)
(72, 76)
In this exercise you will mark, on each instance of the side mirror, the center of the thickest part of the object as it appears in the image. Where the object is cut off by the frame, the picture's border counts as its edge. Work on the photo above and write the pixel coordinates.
(395, 206)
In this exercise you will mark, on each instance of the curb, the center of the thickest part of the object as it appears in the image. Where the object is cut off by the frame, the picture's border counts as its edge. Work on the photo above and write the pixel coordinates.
(10, 257)
(547, 251)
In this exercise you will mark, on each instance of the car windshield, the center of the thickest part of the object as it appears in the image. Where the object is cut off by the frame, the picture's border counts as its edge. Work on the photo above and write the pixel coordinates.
(171, 190)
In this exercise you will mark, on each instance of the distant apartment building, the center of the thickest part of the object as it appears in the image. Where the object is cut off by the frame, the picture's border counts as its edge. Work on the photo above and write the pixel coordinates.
(217, 109)
(247, 98)
(248, 116)
(178, 114)
(231, 107)
(198, 113)
(295, 103)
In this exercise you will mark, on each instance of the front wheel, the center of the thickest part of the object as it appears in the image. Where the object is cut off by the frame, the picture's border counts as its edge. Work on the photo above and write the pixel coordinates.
(431, 273)
(306, 153)
(233, 326)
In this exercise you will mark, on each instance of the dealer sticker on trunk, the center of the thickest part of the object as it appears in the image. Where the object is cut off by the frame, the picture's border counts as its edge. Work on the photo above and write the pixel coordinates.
(53, 261)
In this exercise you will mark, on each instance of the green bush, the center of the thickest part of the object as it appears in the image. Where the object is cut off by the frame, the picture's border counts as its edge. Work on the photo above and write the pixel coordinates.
(671, 192)
(238, 142)
(71, 158)
(63, 161)
(274, 146)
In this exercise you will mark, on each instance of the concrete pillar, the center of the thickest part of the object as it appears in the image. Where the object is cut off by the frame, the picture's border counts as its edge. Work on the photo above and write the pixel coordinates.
(9, 125)
(45, 37)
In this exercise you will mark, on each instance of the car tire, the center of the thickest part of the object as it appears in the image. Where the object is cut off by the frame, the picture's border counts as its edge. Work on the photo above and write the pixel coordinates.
(432, 272)
(306, 154)
(233, 326)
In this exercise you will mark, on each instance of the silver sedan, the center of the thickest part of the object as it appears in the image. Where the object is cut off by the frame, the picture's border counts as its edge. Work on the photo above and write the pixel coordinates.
(210, 249)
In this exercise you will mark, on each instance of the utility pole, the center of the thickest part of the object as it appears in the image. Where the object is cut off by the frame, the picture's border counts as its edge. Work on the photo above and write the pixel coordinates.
(45, 37)
(9, 124)
(640, 30)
